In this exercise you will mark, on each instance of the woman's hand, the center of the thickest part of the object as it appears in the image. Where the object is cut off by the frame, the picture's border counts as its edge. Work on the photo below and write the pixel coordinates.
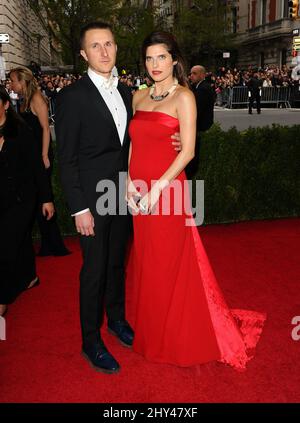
(48, 210)
(149, 201)
(132, 195)
(46, 161)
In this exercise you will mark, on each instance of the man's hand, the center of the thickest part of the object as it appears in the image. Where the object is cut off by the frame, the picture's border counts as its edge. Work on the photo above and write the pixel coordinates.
(85, 224)
(176, 142)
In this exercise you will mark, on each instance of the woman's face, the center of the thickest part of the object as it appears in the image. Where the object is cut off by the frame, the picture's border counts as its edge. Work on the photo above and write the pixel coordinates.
(16, 85)
(159, 62)
(3, 108)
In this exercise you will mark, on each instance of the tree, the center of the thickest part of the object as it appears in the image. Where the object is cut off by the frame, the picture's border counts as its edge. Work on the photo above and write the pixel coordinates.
(67, 17)
(132, 24)
(202, 31)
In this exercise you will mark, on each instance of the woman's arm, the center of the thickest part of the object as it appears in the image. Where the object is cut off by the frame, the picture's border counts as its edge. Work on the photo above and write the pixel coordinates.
(187, 115)
(40, 108)
(131, 191)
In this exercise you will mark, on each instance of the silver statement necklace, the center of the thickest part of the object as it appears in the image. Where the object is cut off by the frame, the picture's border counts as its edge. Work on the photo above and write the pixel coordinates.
(164, 95)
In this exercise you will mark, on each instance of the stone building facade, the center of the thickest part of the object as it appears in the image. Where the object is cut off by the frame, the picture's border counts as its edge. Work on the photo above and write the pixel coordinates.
(263, 29)
(264, 32)
(30, 38)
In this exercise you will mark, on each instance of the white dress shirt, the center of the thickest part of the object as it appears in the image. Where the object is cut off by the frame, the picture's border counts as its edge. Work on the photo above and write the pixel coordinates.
(109, 91)
(199, 83)
(107, 87)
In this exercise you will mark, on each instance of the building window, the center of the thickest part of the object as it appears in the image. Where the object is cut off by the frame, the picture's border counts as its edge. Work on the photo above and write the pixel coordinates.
(262, 59)
(253, 13)
(264, 12)
(234, 20)
(283, 56)
(285, 9)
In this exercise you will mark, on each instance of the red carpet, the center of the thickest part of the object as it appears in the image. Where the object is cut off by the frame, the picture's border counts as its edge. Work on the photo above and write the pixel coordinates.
(258, 267)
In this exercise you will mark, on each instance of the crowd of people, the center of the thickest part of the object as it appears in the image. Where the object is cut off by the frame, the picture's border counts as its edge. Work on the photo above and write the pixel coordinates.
(220, 80)
(271, 76)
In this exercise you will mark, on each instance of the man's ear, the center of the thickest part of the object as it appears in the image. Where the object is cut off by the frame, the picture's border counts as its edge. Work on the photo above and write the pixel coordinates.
(83, 54)
(175, 63)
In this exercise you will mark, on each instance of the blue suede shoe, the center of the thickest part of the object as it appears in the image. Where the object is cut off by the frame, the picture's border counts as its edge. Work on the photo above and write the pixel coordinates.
(101, 359)
(122, 330)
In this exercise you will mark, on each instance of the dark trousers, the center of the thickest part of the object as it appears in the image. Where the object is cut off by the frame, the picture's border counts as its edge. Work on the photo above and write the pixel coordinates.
(102, 276)
(254, 96)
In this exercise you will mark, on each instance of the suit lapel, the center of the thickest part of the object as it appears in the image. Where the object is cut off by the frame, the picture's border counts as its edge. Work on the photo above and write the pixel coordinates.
(127, 102)
(98, 102)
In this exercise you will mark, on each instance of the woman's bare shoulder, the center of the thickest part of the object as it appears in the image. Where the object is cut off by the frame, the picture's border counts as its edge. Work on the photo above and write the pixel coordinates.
(184, 97)
(38, 98)
(139, 96)
(184, 93)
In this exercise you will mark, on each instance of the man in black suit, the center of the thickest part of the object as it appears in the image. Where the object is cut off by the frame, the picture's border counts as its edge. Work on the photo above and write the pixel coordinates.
(205, 100)
(254, 93)
(92, 119)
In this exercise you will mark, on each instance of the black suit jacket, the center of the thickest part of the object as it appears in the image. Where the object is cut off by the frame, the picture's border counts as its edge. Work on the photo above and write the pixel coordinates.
(254, 85)
(23, 177)
(89, 149)
(205, 99)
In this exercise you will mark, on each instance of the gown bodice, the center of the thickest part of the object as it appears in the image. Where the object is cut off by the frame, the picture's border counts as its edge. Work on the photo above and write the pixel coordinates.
(152, 148)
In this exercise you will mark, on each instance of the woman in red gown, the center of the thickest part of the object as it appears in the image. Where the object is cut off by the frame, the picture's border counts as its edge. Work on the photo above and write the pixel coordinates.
(180, 316)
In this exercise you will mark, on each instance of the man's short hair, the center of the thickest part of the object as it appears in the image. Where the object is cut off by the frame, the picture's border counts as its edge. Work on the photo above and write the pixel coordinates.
(93, 25)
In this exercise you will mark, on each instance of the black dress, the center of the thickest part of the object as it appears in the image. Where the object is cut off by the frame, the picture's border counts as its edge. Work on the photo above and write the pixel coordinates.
(23, 183)
(51, 239)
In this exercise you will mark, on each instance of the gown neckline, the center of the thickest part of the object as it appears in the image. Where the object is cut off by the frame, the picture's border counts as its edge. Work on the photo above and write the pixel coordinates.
(157, 111)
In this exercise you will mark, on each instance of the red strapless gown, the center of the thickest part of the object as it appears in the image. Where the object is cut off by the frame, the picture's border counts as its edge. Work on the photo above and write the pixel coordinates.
(180, 316)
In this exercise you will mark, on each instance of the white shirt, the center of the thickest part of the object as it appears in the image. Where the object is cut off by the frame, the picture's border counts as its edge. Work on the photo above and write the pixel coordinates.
(109, 91)
(110, 94)
(199, 83)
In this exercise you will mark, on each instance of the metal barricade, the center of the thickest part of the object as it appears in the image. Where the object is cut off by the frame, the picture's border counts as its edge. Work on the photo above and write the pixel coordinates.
(225, 97)
(51, 105)
(284, 94)
(295, 96)
(51, 115)
(238, 96)
(269, 95)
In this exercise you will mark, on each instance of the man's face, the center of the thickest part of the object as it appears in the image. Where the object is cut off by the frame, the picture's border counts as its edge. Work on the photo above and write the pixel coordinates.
(100, 50)
(196, 75)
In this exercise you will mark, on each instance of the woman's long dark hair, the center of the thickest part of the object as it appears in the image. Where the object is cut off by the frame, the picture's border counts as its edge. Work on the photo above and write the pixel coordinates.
(13, 120)
(162, 37)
